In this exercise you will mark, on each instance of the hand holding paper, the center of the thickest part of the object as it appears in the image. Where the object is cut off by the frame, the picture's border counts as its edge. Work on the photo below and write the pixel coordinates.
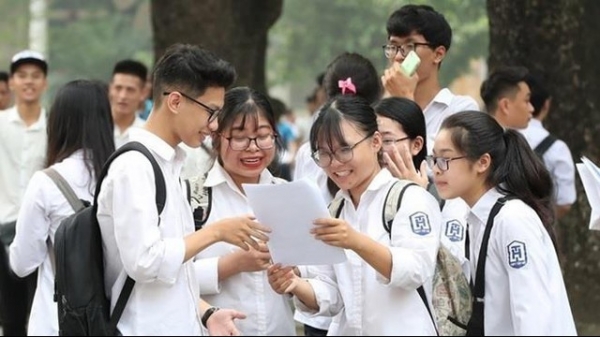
(590, 177)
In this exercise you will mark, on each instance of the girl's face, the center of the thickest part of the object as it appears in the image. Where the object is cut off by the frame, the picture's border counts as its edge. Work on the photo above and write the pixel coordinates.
(354, 165)
(393, 135)
(246, 150)
(454, 175)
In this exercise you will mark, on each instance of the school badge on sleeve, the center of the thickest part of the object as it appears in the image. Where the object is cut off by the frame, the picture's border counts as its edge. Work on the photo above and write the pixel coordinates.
(455, 231)
(517, 254)
(419, 223)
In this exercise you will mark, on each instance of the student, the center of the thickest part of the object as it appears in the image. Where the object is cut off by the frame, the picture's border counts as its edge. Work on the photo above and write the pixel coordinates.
(80, 140)
(22, 149)
(557, 156)
(422, 29)
(402, 127)
(246, 142)
(127, 91)
(5, 96)
(375, 290)
(189, 86)
(475, 159)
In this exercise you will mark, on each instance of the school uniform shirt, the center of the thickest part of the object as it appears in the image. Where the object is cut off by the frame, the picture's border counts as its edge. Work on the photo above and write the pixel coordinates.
(367, 302)
(525, 293)
(268, 313)
(123, 137)
(454, 230)
(43, 209)
(165, 298)
(444, 104)
(558, 161)
(22, 153)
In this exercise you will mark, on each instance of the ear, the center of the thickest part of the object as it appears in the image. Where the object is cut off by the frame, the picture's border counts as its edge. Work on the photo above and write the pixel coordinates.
(377, 141)
(416, 145)
(504, 105)
(439, 54)
(484, 163)
(173, 102)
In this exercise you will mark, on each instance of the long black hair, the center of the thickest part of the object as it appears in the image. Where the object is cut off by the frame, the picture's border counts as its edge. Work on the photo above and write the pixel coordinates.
(80, 119)
(514, 170)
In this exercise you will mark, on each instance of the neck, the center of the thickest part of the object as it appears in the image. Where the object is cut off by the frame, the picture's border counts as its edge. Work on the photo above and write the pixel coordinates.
(358, 190)
(158, 124)
(426, 91)
(122, 121)
(239, 180)
(475, 194)
(29, 111)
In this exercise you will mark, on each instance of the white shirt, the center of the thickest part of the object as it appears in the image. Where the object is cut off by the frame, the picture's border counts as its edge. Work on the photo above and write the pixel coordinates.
(454, 230)
(43, 209)
(369, 303)
(165, 298)
(558, 161)
(306, 167)
(22, 153)
(525, 293)
(444, 104)
(123, 137)
(268, 313)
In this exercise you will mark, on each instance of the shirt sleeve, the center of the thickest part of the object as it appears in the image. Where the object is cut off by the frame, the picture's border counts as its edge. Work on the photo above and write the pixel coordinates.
(207, 274)
(130, 189)
(562, 169)
(29, 249)
(324, 284)
(525, 250)
(415, 239)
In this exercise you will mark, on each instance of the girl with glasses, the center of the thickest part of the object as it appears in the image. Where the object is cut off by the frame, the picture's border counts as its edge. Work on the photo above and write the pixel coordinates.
(523, 289)
(375, 291)
(246, 143)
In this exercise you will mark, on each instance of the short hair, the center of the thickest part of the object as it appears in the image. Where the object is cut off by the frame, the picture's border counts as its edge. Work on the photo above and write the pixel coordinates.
(132, 67)
(3, 76)
(501, 83)
(421, 19)
(191, 69)
(539, 92)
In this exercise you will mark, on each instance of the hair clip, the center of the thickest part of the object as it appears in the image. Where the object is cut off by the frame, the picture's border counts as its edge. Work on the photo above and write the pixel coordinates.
(347, 85)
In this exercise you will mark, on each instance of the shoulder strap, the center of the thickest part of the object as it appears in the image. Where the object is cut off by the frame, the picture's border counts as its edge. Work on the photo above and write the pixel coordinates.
(476, 323)
(544, 145)
(392, 202)
(335, 206)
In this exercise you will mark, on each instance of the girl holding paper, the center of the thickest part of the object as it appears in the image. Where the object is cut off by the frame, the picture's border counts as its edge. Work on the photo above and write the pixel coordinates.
(375, 290)
(246, 142)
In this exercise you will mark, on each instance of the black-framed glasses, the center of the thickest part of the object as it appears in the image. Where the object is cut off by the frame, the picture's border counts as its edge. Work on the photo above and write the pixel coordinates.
(390, 50)
(343, 154)
(264, 142)
(390, 142)
(442, 163)
(212, 113)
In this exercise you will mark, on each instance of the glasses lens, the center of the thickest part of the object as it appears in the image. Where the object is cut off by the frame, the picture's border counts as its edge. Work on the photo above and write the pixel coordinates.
(239, 143)
(390, 50)
(322, 159)
(265, 142)
(344, 154)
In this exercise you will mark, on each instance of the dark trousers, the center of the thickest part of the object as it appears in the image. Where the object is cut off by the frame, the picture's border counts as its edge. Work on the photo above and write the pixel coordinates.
(16, 296)
(311, 331)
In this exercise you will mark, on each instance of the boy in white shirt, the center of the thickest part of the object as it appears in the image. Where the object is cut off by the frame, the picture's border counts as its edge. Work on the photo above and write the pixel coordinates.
(189, 86)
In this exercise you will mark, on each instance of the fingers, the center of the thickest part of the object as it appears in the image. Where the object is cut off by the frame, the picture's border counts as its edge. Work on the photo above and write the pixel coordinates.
(391, 166)
(423, 170)
(238, 315)
(407, 161)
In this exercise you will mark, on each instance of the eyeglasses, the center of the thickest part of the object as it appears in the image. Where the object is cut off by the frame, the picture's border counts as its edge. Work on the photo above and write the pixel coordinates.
(390, 142)
(264, 142)
(390, 50)
(212, 113)
(442, 163)
(343, 154)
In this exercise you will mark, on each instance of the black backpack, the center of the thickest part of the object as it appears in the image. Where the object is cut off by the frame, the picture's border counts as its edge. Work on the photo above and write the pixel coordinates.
(544, 145)
(83, 308)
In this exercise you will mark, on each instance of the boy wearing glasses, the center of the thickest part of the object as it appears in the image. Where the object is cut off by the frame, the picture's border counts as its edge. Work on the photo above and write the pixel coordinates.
(421, 29)
(189, 85)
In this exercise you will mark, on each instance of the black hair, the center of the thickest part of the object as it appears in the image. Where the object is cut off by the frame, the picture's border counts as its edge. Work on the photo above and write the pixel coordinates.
(80, 119)
(501, 83)
(539, 92)
(248, 103)
(360, 70)
(132, 67)
(327, 126)
(411, 118)
(514, 169)
(420, 19)
(191, 69)
(3, 76)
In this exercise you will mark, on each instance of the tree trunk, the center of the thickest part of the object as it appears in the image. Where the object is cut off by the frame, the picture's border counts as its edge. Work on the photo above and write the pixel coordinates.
(559, 37)
(235, 30)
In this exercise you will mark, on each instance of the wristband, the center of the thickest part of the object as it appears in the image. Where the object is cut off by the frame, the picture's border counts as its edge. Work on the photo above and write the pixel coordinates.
(207, 315)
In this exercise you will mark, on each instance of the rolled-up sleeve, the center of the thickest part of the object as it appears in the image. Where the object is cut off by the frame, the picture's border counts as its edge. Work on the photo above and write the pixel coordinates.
(327, 292)
(207, 274)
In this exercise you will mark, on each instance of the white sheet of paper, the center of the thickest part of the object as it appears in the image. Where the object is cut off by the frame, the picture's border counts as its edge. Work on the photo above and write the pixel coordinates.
(590, 177)
(289, 210)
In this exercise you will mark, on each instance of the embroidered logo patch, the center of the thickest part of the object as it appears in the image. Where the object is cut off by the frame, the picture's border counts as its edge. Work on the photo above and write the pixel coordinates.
(517, 254)
(454, 230)
(419, 223)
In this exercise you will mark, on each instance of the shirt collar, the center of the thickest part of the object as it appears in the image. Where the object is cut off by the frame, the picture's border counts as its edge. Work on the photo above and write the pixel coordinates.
(535, 123)
(444, 97)
(218, 175)
(157, 145)
(481, 210)
(380, 180)
(14, 117)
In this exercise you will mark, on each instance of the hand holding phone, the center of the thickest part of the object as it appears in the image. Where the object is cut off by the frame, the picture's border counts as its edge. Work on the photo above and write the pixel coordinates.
(410, 63)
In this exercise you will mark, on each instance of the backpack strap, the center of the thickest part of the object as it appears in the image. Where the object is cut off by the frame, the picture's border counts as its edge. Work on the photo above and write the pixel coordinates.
(544, 145)
(476, 323)
(335, 206)
(160, 198)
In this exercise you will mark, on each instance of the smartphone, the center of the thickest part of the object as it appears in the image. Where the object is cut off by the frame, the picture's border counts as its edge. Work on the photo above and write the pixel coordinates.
(410, 63)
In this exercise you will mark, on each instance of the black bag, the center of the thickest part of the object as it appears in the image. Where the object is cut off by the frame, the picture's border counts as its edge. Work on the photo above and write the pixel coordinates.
(83, 308)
